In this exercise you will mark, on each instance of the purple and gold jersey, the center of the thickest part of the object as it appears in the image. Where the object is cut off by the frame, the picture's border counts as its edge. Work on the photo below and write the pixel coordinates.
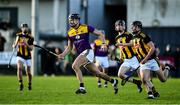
(97, 48)
(80, 37)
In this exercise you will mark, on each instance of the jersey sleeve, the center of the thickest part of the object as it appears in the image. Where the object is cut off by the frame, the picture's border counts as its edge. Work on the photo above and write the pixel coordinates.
(147, 39)
(90, 29)
(31, 41)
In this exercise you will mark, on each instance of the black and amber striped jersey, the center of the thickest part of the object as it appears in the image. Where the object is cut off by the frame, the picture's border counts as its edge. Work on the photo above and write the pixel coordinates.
(127, 51)
(23, 50)
(140, 42)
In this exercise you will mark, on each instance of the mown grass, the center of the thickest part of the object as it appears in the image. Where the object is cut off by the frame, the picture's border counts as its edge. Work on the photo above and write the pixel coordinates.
(61, 90)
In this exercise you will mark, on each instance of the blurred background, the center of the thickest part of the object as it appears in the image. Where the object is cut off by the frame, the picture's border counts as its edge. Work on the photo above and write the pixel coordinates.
(48, 21)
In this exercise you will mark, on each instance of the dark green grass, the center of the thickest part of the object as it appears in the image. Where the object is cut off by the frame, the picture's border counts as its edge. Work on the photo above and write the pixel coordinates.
(61, 90)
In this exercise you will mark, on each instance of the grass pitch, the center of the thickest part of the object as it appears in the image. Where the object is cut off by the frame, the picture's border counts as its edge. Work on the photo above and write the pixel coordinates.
(61, 90)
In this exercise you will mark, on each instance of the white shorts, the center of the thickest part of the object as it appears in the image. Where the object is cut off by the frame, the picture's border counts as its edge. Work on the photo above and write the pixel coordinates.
(89, 54)
(150, 65)
(102, 61)
(132, 63)
(25, 62)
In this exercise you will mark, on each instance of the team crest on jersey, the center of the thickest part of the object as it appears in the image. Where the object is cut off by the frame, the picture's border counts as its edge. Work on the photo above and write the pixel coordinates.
(77, 37)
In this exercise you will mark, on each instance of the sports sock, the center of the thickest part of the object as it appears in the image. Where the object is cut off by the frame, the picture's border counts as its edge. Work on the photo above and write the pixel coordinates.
(153, 89)
(29, 84)
(135, 81)
(81, 86)
(112, 81)
(106, 82)
(20, 82)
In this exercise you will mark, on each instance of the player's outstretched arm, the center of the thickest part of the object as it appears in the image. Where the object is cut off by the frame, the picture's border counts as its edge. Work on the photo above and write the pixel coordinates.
(15, 42)
(67, 50)
(100, 35)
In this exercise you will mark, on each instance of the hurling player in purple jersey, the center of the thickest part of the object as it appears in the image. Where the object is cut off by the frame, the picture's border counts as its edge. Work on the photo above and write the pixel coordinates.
(78, 35)
(101, 58)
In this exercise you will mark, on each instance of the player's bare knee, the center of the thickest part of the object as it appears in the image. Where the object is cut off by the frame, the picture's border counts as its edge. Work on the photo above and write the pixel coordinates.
(121, 76)
(162, 78)
(74, 67)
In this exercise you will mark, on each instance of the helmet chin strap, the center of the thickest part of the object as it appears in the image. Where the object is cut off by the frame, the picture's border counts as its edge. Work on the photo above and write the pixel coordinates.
(74, 25)
(120, 31)
(136, 32)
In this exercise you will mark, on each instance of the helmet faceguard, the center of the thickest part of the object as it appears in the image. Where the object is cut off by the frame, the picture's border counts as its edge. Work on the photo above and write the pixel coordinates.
(120, 23)
(73, 17)
(24, 27)
(137, 24)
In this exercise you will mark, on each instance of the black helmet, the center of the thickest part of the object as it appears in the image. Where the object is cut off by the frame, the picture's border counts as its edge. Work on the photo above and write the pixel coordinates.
(24, 25)
(120, 22)
(74, 16)
(137, 23)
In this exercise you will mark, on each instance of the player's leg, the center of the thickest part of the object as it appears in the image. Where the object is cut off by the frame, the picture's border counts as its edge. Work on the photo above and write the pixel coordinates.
(80, 60)
(99, 79)
(127, 69)
(19, 73)
(94, 70)
(105, 66)
(163, 72)
(97, 63)
(29, 77)
(28, 73)
(86, 59)
(125, 76)
(162, 75)
(150, 65)
(105, 70)
(155, 66)
(138, 83)
(90, 66)
(122, 70)
(145, 78)
(165, 66)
